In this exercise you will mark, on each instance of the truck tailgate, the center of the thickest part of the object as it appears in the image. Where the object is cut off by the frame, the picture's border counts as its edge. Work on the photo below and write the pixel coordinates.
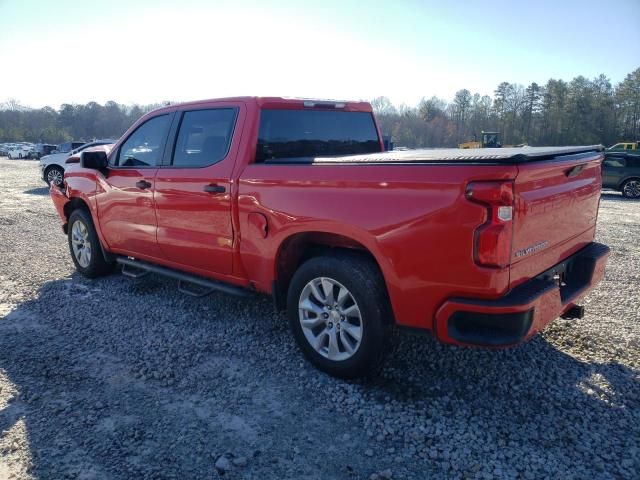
(555, 211)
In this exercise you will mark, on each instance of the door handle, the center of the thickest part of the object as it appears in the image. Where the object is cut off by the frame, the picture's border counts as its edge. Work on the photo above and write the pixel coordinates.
(142, 184)
(213, 188)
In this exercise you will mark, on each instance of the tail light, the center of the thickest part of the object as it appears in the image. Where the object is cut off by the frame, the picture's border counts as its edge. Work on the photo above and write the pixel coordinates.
(492, 239)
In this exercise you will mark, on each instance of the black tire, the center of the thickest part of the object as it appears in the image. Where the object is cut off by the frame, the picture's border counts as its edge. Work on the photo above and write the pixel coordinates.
(363, 280)
(96, 266)
(631, 188)
(53, 168)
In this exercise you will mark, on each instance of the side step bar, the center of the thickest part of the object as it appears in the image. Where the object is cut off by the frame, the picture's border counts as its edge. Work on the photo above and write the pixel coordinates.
(208, 286)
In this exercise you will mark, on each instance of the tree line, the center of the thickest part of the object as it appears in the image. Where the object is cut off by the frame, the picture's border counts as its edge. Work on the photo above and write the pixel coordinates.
(581, 111)
(70, 122)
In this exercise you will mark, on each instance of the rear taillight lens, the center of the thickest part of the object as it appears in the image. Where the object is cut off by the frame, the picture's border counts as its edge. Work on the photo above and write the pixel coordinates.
(492, 239)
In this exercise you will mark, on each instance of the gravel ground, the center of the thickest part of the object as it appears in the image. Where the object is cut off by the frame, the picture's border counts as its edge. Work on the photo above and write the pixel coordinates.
(119, 378)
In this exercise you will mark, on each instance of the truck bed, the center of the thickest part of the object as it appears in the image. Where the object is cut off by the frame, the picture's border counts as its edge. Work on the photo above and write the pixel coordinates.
(494, 156)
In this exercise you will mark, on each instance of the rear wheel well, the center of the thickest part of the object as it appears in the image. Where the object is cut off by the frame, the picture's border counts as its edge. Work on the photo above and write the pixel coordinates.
(299, 248)
(623, 186)
(626, 180)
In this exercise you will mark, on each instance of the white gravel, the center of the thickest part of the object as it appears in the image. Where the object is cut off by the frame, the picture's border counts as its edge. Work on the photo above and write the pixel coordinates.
(119, 378)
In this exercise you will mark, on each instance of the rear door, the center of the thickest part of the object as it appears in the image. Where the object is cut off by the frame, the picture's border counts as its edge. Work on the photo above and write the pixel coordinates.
(125, 199)
(193, 188)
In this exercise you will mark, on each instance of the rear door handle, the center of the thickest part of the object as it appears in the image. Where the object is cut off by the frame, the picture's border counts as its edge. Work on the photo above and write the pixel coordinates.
(213, 188)
(142, 184)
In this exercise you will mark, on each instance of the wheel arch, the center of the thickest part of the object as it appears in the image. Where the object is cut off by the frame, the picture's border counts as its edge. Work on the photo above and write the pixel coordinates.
(76, 203)
(299, 247)
(626, 179)
(53, 165)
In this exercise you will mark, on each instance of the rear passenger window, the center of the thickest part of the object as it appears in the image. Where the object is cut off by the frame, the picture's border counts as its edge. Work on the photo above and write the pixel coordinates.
(302, 134)
(145, 146)
(204, 137)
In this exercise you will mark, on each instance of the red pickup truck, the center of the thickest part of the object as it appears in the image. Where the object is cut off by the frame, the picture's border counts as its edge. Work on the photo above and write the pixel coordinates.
(297, 199)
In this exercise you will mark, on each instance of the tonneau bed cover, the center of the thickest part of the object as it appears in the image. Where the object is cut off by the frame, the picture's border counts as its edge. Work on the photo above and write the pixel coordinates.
(452, 155)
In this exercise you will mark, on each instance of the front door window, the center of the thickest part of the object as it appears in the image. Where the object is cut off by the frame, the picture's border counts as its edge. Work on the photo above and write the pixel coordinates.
(144, 147)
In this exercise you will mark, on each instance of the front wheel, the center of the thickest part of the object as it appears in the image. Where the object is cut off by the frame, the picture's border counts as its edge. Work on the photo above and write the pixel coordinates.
(54, 176)
(631, 188)
(340, 315)
(84, 246)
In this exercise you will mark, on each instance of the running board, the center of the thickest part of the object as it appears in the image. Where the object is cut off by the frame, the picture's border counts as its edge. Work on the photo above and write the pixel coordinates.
(134, 272)
(208, 286)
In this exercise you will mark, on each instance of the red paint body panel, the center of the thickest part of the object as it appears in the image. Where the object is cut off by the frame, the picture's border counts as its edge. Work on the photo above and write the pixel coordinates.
(126, 213)
(59, 200)
(195, 227)
(413, 219)
(552, 208)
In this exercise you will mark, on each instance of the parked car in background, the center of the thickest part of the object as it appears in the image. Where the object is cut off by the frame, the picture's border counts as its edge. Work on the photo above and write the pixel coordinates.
(42, 149)
(33, 152)
(67, 147)
(19, 152)
(621, 172)
(11, 146)
(53, 166)
(298, 199)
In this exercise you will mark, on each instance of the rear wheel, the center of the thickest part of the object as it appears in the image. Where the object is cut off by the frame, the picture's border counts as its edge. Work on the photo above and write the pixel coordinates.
(339, 314)
(631, 188)
(54, 175)
(84, 246)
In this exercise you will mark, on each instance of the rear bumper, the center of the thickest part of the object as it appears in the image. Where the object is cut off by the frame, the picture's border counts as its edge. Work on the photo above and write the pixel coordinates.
(526, 309)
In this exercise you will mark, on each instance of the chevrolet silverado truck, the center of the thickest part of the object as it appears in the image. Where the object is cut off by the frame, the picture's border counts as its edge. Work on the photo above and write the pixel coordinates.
(297, 199)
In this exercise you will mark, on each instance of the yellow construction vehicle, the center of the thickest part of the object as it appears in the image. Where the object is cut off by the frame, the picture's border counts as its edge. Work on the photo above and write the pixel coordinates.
(488, 140)
(633, 147)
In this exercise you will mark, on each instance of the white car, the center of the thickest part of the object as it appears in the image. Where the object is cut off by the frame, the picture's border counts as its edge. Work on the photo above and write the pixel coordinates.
(52, 166)
(19, 151)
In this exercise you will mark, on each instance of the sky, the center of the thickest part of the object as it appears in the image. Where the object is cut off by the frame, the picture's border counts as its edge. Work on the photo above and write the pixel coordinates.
(150, 51)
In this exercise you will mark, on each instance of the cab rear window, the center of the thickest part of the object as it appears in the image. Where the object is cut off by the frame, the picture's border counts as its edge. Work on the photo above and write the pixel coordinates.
(292, 135)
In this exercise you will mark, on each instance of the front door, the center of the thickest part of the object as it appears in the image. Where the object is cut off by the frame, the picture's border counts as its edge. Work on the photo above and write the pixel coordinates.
(125, 199)
(193, 191)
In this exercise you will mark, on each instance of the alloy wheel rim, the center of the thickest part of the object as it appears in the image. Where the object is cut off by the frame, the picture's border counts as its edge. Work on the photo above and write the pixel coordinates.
(632, 188)
(81, 244)
(330, 319)
(54, 176)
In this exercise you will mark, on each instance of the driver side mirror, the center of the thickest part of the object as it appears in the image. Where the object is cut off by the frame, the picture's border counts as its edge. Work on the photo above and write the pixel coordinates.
(94, 160)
